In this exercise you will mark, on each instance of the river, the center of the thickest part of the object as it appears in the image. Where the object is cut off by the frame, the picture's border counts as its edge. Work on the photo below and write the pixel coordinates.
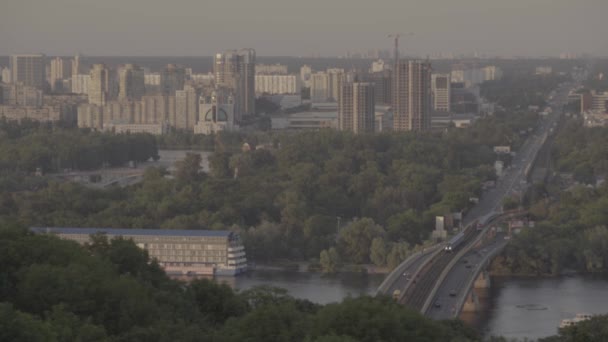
(521, 308)
(514, 307)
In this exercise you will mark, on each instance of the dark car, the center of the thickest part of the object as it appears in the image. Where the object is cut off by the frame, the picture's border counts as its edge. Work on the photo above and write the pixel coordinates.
(453, 293)
(437, 304)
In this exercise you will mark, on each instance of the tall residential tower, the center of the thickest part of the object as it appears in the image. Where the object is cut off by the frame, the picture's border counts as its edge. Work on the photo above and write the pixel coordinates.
(412, 95)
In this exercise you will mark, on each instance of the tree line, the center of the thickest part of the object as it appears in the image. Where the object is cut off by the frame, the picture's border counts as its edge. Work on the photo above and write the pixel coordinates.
(109, 290)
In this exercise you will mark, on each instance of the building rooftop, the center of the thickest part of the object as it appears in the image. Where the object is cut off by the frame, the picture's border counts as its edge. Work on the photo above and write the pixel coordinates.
(132, 231)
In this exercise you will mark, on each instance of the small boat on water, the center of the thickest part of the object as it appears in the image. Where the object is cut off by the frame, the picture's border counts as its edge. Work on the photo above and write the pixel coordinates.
(572, 321)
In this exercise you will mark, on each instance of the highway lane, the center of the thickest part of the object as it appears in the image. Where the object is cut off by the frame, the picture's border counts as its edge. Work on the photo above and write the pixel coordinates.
(513, 182)
(405, 277)
(458, 279)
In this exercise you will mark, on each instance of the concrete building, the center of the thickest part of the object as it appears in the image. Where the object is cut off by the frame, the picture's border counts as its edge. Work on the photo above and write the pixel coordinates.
(305, 73)
(379, 66)
(277, 84)
(42, 114)
(383, 87)
(319, 87)
(543, 70)
(90, 116)
(441, 92)
(335, 79)
(186, 107)
(6, 75)
(99, 85)
(216, 113)
(60, 70)
(356, 107)
(152, 83)
(271, 69)
(18, 94)
(28, 70)
(77, 68)
(306, 121)
(491, 73)
(157, 109)
(235, 70)
(80, 84)
(131, 83)
(154, 129)
(172, 79)
(412, 96)
(181, 252)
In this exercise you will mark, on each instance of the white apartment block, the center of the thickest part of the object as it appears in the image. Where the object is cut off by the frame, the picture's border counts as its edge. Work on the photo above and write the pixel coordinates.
(80, 83)
(277, 84)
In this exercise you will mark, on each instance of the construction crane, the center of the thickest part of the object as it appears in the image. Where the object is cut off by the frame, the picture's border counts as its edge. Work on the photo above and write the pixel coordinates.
(396, 37)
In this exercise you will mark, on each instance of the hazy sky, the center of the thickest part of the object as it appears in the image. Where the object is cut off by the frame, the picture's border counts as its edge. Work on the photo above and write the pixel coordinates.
(302, 27)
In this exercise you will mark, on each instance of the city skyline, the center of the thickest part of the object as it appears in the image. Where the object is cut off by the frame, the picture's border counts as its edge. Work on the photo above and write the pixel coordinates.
(187, 28)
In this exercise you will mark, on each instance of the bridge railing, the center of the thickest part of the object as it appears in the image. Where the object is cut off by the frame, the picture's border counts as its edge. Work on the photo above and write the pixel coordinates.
(469, 285)
(398, 271)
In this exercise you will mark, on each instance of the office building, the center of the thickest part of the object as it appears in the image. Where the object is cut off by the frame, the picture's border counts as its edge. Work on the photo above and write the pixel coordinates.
(172, 79)
(181, 252)
(235, 70)
(277, 84)
(356, 107)
(60, 70)
(412, 96)
(441, 92)
(216, 113)
(319, 87)
(186, 107)
(28, 70)
(131, 84)
(594, 102)
(99, 85)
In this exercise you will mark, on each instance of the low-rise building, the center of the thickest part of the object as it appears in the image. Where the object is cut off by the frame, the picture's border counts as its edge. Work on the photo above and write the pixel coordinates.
(179, 252)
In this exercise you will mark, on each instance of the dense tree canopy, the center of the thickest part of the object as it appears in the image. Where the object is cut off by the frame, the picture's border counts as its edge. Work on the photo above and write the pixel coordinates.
(56, 290)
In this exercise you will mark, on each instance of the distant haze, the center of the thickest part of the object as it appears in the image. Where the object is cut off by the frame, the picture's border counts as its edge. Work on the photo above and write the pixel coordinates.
(302, 27)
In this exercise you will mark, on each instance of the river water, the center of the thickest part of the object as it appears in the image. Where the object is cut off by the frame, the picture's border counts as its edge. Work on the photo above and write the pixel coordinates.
(514, 307)
(534, 307)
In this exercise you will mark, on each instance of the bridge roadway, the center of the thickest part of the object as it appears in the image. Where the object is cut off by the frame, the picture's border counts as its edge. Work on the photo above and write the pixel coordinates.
(459, 278)
(426, 286)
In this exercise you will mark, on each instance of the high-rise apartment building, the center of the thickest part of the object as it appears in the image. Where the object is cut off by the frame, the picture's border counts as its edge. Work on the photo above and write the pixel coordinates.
(6, 75)
(277, 84)
(412, 96)
(235, 70)
(99, 85)
(441, 92)
(76, 65)
(186, 107)
(319, 87)
(305, 73)
(131, 83)
(80, 83)
(356, 107)
(28, 70)
(60, 70)
(271, 69)
(335, 79)
(172, 79)
(383, 85)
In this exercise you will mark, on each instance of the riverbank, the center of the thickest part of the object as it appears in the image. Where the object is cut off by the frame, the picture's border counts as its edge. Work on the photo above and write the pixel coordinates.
(311, 267)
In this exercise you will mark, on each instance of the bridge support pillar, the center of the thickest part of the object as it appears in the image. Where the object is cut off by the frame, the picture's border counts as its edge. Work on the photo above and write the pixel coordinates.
(471, 304)
(482, 281)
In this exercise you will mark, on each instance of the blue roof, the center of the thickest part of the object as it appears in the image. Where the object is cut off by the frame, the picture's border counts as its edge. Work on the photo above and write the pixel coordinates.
(133, 231)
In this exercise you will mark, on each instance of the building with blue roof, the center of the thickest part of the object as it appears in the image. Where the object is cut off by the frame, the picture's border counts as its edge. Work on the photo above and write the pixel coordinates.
(178, 251)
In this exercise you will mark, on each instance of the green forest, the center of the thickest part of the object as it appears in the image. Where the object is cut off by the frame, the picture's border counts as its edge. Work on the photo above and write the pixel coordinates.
(571, 231)
(331, 195)
(55, 290)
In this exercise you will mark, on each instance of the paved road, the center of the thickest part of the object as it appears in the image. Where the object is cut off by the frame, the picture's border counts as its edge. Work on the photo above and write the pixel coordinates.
(514, 181)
